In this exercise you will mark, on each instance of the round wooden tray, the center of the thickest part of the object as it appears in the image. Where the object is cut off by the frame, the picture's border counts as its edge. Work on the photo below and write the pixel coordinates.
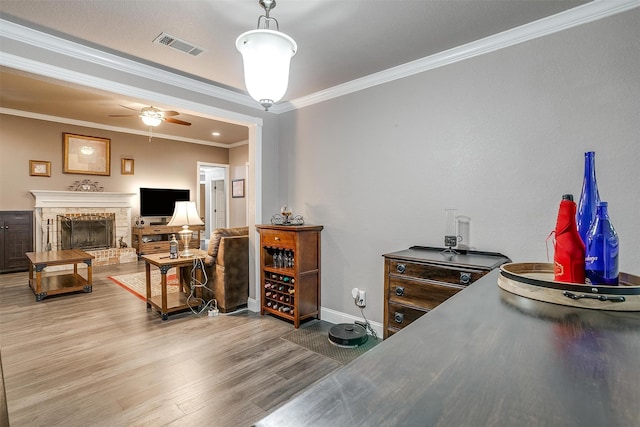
(535, 281)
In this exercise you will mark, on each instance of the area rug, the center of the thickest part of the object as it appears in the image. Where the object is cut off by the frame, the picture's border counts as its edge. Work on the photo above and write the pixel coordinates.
(315, 337)
(136, 283)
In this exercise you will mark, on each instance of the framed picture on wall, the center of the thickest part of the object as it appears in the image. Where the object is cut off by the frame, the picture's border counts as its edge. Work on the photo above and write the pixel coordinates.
(126, 168)
(39, 168)
(237, 188)
(86, 155)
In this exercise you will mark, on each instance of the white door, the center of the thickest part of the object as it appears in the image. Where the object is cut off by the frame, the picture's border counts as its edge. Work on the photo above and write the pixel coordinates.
(218, 204)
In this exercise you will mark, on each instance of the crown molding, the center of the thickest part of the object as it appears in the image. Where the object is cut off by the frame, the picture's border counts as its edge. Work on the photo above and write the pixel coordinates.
(586, 13)
(67, 121)
(589, 12)
(79, 51)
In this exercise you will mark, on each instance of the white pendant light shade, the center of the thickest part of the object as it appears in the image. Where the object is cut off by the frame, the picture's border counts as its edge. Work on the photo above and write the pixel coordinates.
(266, 55)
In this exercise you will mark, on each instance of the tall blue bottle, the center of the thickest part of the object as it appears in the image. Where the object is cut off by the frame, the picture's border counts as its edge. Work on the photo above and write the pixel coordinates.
(589, 198)
(601, 262)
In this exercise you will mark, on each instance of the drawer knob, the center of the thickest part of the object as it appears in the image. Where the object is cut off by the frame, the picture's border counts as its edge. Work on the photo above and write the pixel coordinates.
(398, 317)
(465, 278)
(400, 291)
(401, 268)
(276, 238)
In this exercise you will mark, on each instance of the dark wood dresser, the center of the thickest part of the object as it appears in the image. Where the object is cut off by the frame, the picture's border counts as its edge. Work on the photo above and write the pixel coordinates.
(420, 278)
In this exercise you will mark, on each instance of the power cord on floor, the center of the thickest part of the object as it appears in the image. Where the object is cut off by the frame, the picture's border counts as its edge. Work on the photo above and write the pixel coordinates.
(194, 284)
(367, 325)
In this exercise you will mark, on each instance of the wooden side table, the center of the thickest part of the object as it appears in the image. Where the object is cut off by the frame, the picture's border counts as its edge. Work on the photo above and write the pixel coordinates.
(60, 283)
(175, 302)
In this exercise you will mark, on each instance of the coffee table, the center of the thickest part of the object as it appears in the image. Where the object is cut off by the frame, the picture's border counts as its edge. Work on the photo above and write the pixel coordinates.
(170, 303)
(59, 283)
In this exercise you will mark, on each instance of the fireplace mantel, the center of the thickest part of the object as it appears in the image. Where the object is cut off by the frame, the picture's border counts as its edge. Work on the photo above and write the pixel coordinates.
(81, 199)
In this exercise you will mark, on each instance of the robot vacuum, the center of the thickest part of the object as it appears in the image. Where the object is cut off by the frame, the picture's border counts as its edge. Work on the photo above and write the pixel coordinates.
(347, 335)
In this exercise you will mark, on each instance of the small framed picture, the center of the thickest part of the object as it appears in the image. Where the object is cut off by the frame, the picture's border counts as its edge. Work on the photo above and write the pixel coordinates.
(237, 188)
(39, 168)
(127, 167)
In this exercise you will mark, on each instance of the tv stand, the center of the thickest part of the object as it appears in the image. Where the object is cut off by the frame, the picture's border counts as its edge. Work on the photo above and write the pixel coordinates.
(153, 239)
(158, 223)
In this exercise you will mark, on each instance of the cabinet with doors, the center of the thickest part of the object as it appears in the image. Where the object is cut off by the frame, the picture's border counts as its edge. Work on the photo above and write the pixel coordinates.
(290, 271)
(16, 238)
(418, 279)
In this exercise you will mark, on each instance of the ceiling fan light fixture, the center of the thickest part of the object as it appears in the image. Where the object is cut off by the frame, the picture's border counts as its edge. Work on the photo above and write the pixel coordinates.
(151, 116)
(266, 55)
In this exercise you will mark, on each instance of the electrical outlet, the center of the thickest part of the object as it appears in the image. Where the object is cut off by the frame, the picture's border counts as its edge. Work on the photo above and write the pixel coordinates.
(361, 299)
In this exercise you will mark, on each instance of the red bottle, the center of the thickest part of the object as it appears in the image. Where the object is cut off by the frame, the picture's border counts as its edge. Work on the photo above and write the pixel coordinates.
(569, 249)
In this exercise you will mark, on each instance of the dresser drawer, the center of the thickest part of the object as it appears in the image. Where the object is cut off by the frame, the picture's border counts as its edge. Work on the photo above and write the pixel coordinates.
(459, 276)
(155, 247)
(278, 238)
(420, 293)
(400, 316)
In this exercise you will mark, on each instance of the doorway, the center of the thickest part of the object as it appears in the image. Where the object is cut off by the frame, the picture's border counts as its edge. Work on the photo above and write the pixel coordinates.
(213, 203)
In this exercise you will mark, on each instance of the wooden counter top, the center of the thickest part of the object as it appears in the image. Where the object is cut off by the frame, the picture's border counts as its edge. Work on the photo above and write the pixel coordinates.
(486, 357)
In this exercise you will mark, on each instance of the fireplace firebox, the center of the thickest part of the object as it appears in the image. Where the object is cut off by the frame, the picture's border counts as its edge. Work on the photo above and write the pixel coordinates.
(87, 231)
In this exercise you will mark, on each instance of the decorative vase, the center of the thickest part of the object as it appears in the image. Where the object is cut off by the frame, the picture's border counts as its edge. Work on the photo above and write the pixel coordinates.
(589, 197)
(601, 262)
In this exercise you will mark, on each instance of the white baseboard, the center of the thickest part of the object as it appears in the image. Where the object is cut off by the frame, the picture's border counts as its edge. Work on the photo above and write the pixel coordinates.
(252, 305)
(327, 315)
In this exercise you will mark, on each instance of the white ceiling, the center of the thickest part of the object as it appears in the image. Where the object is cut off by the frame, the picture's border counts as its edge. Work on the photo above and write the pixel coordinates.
(339, 41)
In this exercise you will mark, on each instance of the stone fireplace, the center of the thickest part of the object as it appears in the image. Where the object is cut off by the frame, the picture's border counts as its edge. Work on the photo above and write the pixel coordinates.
(95, 222)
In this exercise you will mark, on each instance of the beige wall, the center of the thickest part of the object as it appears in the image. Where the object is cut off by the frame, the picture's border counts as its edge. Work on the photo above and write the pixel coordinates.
(158, 163)
(238, 157)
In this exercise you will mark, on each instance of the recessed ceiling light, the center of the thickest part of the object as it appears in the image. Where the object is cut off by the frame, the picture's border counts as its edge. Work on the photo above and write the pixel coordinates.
(215, 133)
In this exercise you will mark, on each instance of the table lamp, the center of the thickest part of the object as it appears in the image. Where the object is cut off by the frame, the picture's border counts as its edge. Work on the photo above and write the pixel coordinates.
(184, 215)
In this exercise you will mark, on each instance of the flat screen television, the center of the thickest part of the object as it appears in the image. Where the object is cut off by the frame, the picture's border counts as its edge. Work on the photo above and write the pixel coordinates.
(160, 201)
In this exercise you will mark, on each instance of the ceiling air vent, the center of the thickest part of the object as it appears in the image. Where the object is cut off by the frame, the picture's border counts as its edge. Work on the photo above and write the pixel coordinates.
(176, 43)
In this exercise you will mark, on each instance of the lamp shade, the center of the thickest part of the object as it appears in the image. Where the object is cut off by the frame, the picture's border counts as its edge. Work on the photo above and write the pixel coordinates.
(185, 213)
(266, 55)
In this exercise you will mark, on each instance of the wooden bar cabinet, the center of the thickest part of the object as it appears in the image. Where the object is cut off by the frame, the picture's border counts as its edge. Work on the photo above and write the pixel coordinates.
(290, 271)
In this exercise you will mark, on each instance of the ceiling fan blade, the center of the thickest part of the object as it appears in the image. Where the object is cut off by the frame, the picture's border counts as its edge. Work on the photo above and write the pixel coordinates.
(123, 115)
(130, 108)
(170, 113)
(176, 121)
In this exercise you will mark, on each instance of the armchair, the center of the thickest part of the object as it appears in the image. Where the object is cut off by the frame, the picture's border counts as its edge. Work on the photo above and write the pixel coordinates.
(227, 268)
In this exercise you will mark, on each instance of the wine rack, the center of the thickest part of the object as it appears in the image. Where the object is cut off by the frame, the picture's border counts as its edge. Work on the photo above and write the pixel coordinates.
(279, 293)
(290, 271)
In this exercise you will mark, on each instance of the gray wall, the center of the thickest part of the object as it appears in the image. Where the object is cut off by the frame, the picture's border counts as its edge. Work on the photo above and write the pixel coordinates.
(500, 137)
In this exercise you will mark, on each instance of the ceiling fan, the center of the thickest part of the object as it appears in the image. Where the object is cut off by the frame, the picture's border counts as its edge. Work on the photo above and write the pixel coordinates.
(152, 116)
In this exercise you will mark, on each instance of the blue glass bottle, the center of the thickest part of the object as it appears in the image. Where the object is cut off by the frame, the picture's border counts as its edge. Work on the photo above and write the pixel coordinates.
(601, 262)
(589, 197)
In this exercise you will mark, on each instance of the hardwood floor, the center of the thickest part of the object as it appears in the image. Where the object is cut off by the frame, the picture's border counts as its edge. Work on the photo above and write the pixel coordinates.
(102, 359)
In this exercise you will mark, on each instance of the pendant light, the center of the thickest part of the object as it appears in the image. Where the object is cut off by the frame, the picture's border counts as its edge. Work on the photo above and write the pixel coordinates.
(266, 55)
